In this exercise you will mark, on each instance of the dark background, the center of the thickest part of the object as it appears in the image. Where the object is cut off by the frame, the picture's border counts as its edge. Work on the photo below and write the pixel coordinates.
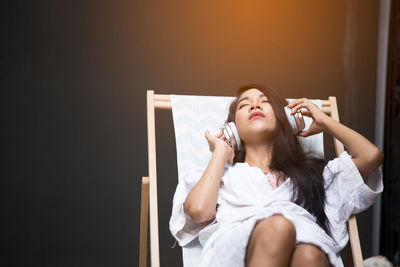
(73, 79)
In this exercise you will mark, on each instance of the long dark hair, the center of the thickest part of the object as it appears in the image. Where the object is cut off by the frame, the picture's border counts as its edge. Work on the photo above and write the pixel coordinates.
(288, 158)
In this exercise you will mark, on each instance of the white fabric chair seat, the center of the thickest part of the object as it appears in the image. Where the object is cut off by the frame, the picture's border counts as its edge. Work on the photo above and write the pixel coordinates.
(192, 116)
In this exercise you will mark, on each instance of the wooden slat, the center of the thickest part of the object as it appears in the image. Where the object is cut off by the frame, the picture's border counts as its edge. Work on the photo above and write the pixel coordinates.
(164, 98)
(164, 102)
(167, 98)
(162, 105)
(355, 242)
(326, 110)
(352, 223)
(151, 134)
(144, 220)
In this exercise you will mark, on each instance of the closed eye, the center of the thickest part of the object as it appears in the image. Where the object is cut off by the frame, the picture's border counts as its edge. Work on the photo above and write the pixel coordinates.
(243, 105)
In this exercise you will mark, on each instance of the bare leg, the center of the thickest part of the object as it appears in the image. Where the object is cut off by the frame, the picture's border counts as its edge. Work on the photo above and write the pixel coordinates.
(309, 255)
(271, 243)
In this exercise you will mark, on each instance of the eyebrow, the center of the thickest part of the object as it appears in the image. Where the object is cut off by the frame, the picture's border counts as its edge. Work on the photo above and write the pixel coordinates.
(246, 98)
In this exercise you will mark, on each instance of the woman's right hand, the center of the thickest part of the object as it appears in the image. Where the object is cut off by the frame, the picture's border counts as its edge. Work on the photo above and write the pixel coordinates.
(216, 144)
(201, 202)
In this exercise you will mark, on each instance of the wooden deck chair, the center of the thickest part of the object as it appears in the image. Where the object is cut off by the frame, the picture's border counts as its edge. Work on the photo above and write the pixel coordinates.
(149, 186)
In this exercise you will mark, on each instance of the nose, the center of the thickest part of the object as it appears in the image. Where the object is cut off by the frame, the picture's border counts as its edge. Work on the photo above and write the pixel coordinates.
(255, 105)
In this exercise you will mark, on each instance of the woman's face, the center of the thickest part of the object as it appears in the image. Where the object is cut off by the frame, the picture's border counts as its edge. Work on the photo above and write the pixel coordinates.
(255, 118)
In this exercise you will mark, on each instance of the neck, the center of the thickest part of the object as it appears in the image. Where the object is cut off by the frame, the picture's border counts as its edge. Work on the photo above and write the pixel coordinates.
(259, 156)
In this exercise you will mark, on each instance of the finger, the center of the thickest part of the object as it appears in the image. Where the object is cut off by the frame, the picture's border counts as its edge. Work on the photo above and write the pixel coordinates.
(218, 135)
(305, 113)
(207, 135)
(310, 106)
(297, 102)
(304, 133)
(294, 102)
(299, 106)
(230, 161)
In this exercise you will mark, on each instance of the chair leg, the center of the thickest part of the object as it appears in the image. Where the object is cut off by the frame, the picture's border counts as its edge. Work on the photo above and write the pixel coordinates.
(356, 252)
(144, 219)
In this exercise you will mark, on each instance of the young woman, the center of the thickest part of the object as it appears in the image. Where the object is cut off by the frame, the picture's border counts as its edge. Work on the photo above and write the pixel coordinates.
(276, 205)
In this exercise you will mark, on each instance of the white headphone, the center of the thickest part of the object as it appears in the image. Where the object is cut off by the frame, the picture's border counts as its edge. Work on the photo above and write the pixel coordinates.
(230, 132)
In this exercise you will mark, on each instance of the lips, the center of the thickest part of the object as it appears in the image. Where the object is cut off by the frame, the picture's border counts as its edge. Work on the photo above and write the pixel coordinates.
(256, 114)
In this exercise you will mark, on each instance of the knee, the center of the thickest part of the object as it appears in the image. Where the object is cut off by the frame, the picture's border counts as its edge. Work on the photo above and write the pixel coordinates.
(273, 238)
(276, 224)
(275, 228)
(311, 255)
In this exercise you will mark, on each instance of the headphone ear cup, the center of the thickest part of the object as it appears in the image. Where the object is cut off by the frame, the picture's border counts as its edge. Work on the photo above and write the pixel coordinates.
(235, 134)
(231, 135)
(299, 119)
(294, 124)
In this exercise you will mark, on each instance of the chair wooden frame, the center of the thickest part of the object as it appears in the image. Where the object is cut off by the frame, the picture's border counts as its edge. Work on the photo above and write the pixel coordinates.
(149, 187)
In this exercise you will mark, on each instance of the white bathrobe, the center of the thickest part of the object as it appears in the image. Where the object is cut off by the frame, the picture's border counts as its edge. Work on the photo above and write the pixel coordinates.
(246, 197)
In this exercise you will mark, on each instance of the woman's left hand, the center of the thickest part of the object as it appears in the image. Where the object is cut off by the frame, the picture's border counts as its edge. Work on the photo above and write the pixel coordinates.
(365, 155)
(312, 111)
